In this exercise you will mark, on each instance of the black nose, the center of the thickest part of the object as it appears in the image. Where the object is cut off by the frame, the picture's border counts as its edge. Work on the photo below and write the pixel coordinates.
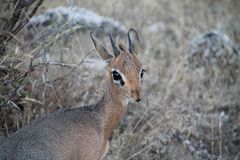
(138, 100)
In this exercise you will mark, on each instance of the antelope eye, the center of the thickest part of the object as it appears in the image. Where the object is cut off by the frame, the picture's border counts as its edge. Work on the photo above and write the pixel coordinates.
(117, 78)
(142, 73)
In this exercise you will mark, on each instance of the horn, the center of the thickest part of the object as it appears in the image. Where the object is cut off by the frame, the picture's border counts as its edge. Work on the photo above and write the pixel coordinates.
(114, 47)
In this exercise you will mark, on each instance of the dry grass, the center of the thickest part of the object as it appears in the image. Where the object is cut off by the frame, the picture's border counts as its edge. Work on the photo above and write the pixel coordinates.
(184, 115)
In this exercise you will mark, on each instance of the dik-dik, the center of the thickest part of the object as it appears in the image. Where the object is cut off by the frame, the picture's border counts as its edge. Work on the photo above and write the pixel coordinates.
(82, 133)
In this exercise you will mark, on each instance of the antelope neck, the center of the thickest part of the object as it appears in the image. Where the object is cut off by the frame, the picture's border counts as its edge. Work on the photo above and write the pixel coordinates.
(114, 104)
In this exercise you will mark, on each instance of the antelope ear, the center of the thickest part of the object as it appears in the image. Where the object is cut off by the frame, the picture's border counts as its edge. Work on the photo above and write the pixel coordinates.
(133, 41)
(102, 51)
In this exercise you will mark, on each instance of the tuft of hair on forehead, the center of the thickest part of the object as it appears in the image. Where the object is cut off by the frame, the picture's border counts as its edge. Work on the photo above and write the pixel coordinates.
(122, 47)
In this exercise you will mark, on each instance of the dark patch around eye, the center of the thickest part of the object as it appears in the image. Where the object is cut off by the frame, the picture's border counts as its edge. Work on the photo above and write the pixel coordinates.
(122, 83)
